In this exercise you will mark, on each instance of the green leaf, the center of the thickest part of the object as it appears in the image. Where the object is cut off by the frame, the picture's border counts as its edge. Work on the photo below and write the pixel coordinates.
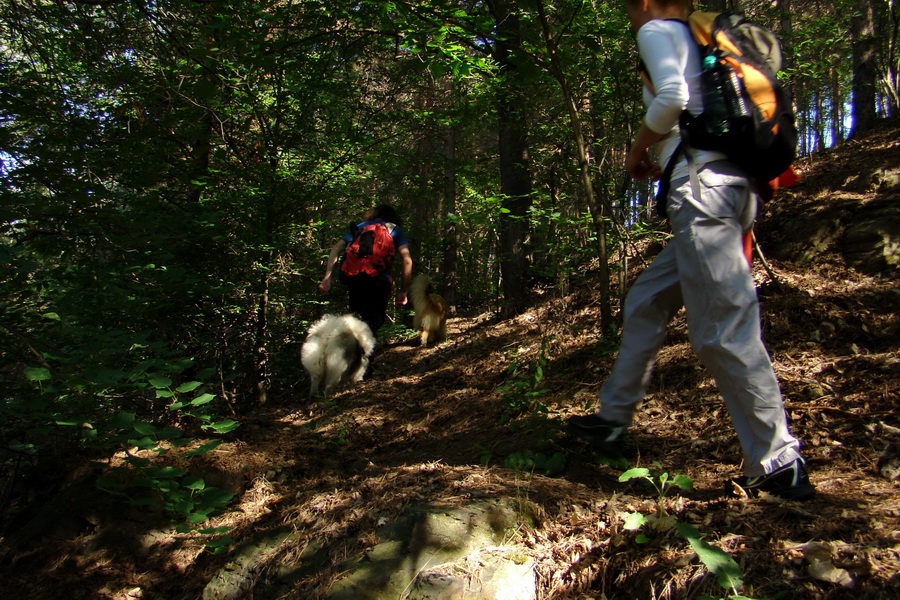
(144, 443)
(121, 420)
(188, 387)
(222, 541)
(37, 373)
(641, 538)
(202, 399)
(160, 382)
(683, 481)
(556, 464)
(613, 462)
(688, 531)
(144, 428)
(634, 521)
(223, 426)
(193, 483)
(635, 473)
(197, 518)
(215, 530)
(185, 507)
(168, 433)
(220, 545)
(167, 472)
(719, 562)
(217, 496)
(204, 448)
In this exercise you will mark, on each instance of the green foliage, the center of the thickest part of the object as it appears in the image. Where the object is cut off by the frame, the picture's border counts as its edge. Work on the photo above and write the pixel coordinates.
(528, 460)
(142, 481)
(550, 463)
(525, 410)
(728, 573)
(522, 392)
(661, 482)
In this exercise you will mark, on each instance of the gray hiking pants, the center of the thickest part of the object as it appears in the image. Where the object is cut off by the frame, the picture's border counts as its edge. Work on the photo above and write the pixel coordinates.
(703, 269)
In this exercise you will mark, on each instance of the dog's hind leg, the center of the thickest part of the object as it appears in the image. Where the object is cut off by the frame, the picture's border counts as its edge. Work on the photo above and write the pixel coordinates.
(314, 386)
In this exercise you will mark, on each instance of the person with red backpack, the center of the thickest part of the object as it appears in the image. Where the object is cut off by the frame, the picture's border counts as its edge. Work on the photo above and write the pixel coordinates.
(368, 250)
(710, 202)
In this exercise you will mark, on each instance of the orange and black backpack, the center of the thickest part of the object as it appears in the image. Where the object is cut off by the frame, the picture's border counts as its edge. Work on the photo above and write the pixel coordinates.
(747, 113)
(371, 252)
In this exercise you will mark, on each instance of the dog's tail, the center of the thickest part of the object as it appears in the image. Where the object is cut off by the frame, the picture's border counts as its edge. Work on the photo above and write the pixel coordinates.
(362, 333)
(418, 291)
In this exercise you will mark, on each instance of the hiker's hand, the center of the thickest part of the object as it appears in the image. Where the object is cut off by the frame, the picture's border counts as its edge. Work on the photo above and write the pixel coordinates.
(401, 298)
(640, 166)
(325, 286)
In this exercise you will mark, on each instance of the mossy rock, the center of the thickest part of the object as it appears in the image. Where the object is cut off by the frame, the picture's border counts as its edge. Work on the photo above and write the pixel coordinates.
(436, 551)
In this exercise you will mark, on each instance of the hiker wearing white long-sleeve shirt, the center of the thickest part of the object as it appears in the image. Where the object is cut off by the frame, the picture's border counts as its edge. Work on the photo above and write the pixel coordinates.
(703, 269)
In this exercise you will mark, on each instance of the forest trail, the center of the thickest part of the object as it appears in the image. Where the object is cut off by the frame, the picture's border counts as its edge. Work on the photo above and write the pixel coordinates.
(433, 425)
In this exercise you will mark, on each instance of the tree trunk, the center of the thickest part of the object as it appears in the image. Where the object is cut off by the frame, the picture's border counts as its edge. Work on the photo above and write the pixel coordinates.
(863, 48)
(448, 217)
(889, 29)
(786, 35)
(837, 109)
(261, 375)
(515, 180)
(584, 170)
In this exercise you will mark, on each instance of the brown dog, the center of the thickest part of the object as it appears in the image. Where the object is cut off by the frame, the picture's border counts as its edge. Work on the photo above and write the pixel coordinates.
(431, 311)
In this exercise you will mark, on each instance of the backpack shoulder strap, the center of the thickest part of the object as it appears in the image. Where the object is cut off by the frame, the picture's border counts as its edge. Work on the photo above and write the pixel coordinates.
(701, 25)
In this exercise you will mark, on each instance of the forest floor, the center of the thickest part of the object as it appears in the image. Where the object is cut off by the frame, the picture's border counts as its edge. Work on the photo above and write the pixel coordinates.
(430, 426)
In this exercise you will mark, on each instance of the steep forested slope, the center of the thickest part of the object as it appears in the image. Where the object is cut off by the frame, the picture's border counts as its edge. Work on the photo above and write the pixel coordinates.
(477, 417)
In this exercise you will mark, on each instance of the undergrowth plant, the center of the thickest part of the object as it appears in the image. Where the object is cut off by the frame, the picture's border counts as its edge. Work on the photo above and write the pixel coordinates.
(728, 573)
(526, 461)
(525, 410)
(522, 392)
(141, 481)
(551, 464)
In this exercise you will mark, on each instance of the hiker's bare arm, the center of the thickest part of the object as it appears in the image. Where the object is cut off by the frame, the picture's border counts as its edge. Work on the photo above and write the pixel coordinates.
(638, 162)
(406, 274)
(336, 251)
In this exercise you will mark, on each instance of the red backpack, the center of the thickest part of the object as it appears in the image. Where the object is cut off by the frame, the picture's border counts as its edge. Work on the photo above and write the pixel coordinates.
(371, 252)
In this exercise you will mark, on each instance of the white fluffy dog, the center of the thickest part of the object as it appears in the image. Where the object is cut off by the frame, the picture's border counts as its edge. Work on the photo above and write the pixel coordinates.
(336, 351)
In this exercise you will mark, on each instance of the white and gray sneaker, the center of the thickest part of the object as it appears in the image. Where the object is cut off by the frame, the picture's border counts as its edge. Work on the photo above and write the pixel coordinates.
(790, 482)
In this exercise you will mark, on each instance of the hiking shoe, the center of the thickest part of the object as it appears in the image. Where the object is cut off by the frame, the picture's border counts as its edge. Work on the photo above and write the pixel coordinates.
(602, 434)
(790, 482)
